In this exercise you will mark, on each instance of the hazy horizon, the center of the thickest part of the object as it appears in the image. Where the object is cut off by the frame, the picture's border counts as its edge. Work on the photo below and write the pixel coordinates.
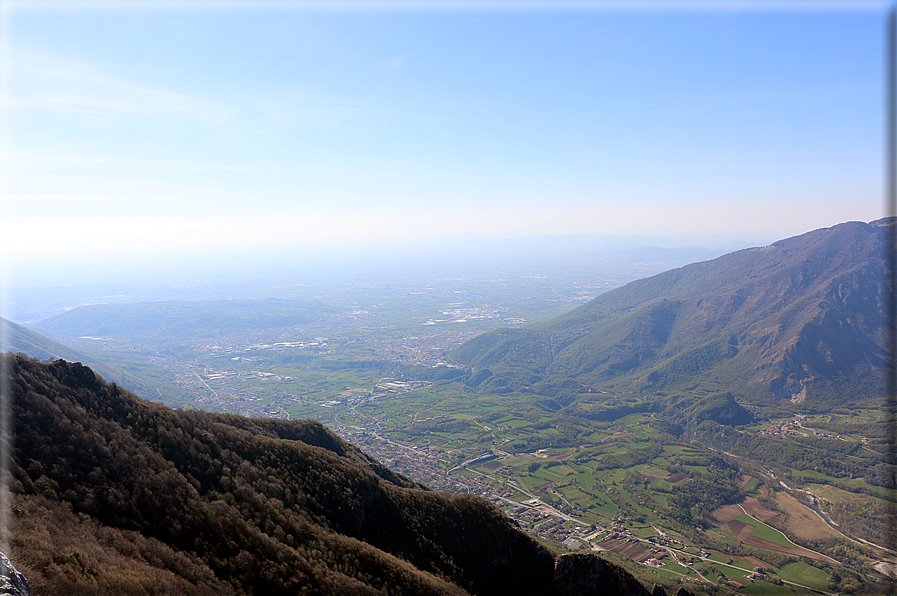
(139, 138)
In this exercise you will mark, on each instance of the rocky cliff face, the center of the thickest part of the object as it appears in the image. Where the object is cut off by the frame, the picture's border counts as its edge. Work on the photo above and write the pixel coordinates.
(12, 583)
(590, 575)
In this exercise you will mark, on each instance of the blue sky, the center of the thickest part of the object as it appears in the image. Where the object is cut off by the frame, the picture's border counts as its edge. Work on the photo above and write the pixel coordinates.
(215, 128)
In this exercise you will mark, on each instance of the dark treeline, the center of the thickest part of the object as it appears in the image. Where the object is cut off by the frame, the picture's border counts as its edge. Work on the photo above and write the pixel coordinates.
(867, 518)
(828, 456)
(692, 502)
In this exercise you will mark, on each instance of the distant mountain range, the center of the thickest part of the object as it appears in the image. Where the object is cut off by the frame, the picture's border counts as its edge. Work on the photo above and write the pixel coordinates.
(117, 495)
(800, 321)
(172, 320)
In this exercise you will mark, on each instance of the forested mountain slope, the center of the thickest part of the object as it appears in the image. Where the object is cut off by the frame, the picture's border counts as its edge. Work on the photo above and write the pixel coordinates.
(800, 320)
(118, 495)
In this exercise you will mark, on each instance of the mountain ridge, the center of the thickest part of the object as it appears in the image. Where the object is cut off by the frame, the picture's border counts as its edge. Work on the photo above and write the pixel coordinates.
(168, 319)
(19, 339)
(775, 322)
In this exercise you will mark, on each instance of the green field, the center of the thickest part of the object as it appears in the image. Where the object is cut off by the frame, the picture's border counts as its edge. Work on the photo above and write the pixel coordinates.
(801, 573)
(761, 588)
(764, 532)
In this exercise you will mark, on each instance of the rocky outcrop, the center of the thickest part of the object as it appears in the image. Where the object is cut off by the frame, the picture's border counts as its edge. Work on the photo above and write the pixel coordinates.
(12, 583)
(590, 575)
